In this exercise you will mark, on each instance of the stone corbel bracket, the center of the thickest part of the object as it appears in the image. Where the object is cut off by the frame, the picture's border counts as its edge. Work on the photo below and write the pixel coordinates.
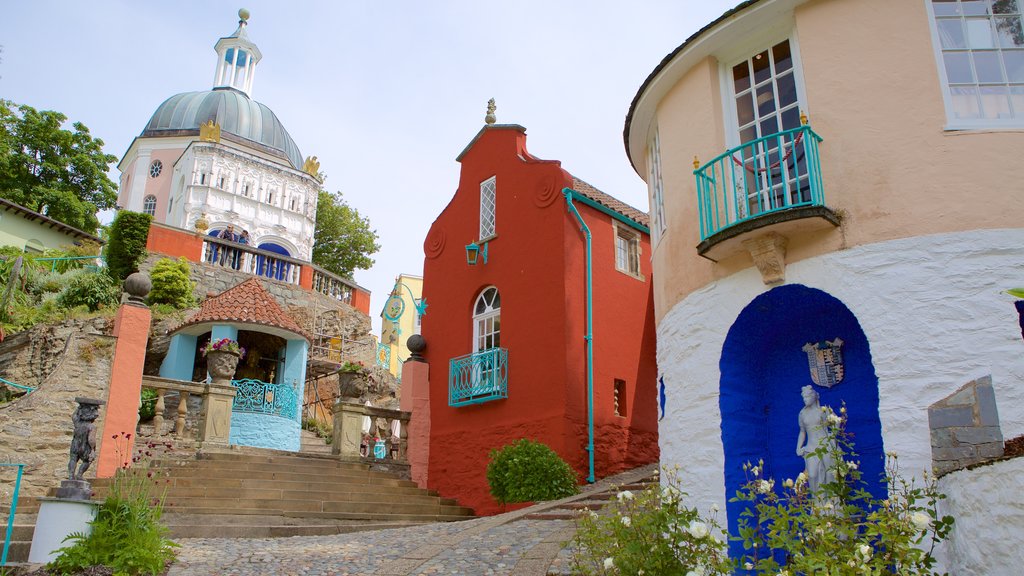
(769, 254)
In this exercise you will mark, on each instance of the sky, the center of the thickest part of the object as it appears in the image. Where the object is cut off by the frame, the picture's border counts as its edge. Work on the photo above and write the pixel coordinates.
(385, 93)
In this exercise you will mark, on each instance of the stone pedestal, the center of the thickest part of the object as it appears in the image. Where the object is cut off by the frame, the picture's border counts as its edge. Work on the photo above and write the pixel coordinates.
(415, 379)
(348, 428)
(74, 490)
(215, 415)
(58, 518)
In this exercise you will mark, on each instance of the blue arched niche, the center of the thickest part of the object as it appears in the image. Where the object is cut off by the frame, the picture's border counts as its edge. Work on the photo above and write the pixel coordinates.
(763, 369)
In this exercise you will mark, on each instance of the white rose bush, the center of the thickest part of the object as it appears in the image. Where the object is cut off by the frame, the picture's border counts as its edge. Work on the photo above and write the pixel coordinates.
(650, 532)
(841, 531)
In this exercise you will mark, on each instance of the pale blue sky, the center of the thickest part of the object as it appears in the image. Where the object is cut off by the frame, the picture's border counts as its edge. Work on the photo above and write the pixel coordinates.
(385, 93)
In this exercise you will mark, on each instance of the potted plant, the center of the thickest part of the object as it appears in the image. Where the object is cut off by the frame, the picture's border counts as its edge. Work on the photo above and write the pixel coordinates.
(222, 357)
(351, 379)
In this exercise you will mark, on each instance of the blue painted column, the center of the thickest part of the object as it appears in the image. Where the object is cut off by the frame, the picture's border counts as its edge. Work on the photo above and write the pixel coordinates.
(295, 366)
(180, 359)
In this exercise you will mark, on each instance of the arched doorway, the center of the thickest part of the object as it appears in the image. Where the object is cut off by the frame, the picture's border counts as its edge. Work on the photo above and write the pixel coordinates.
(764, 365)
(271, 267)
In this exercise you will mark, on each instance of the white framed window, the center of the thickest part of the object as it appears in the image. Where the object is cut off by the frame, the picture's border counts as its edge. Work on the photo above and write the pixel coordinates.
(488, 203)
(149, 205)
(655, 187)
(155, 168)
(487, 320)
(765, 93)
(979, 47)
(627, 250)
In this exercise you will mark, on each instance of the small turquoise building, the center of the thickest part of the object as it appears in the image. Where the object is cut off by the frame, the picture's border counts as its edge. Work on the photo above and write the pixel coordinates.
(270, 379)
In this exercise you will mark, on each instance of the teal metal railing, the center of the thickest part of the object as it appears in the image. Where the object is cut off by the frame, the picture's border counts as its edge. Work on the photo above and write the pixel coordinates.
(767, 175)
(101, 261)
(478, 377)
(27, 389)
(12, 511)
(256, 397)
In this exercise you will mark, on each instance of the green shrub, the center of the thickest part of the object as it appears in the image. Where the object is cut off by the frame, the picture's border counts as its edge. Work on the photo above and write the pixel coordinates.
(94, 290)
(126, 247)
(127, 535)
(171, 283)
(528, 471)
(147, 407)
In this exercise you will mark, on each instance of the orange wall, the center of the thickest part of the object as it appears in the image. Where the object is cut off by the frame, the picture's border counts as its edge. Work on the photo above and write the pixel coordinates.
(537, 263)
(361, 300)
(174, 242)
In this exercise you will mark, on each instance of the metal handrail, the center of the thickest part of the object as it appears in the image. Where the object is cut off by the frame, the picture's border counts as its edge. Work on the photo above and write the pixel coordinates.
(13, 510)
(478, 377)
(766, 175)
(27, 389)
(53, 261)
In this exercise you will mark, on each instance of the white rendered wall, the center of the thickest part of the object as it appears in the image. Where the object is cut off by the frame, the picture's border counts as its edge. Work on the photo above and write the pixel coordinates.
(934, 316)
(989, 512)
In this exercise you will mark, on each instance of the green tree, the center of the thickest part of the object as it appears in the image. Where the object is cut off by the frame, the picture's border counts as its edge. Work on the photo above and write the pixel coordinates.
(171, 283)
(126, 247)
(57, 172)
(343, 241)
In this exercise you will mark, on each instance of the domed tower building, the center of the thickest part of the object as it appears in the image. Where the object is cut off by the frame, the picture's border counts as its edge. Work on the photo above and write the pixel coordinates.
(216, 159)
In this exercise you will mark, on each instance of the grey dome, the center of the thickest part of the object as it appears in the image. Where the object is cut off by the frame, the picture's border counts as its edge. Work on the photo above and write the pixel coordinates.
(236, 113)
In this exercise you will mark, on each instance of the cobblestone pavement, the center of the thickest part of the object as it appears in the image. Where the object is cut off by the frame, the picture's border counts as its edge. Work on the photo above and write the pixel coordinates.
(504, 545)
(483, 547)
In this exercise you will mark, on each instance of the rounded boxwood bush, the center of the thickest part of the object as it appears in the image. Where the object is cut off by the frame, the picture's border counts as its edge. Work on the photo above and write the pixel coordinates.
(171, 283)
(528, 471)
(94, 290)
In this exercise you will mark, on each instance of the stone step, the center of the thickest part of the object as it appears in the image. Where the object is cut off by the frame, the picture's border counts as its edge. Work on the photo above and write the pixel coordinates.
(175, 492)
(206, 530)
(18, 550)
(218, 472)
(293, 505)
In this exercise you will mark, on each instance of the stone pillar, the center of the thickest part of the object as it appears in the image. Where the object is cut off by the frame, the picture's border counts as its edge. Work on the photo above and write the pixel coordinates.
(348, 429)
(131, 328)
(215, 415)
(415, 384)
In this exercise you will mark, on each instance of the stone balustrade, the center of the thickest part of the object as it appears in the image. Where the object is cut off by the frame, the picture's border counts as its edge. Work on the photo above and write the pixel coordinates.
(391, 426)
(214, 416)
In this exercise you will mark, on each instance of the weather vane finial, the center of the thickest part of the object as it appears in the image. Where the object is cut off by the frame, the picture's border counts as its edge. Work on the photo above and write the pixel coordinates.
(491, 107)
(243, 16)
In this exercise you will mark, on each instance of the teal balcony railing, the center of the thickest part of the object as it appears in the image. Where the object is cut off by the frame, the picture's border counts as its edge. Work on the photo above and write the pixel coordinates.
(478, 377)
(767, 175)
(256, 397)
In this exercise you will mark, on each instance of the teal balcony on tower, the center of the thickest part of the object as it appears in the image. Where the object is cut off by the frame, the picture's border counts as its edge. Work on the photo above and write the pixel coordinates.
(478, 377)
(769, 184)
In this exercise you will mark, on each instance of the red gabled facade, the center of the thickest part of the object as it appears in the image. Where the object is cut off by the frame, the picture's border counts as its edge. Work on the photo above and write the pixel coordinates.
(537, 261)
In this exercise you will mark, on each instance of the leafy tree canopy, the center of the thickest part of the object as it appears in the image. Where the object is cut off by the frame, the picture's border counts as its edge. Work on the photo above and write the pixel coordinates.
(57, 172)
(343, 241)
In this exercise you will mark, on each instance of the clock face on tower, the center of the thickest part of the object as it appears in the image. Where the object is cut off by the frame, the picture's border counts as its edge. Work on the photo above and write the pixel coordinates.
(394, 307)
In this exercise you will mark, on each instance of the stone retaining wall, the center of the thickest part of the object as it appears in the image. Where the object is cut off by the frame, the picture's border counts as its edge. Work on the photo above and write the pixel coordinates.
(965, 427)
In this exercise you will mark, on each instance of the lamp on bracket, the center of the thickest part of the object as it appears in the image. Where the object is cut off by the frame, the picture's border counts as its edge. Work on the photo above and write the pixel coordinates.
(474, 251)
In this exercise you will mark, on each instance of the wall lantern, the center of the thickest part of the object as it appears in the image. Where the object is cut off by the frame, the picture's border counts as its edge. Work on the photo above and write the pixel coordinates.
(473, 251)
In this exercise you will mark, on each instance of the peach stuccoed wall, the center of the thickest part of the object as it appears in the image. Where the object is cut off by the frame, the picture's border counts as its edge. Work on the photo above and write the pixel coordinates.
(890, 168)
(131, 328)
(416, 399)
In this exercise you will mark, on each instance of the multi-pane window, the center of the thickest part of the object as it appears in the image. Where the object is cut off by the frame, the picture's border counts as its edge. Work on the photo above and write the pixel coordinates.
(764, 88)
(149, 205)
(981, 46)
(655, 186)
(487, 206)
(155, 168)
(487, 320)
(627, 251)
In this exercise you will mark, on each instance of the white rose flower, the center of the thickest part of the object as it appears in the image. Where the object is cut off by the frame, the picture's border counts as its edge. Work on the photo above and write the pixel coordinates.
(788, 482)
(765, 486)
(921, 520)
(714, 507)
(865, 550)
(609, 563)
(625, 495)
(748, 566)
(852, 465)
(697, 529)
(625, 520)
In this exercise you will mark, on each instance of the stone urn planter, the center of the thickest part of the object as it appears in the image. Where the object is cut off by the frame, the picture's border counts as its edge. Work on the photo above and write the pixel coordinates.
(221, 364)
(351, 385)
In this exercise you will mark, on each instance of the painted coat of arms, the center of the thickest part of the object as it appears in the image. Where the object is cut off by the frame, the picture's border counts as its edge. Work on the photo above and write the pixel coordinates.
(825, 359)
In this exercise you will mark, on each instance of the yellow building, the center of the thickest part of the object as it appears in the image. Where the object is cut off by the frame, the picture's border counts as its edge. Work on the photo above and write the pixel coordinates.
(400, 319)
(835, 204)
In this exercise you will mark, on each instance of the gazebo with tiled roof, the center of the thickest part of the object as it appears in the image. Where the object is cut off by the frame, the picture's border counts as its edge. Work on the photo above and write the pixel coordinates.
(269, 381)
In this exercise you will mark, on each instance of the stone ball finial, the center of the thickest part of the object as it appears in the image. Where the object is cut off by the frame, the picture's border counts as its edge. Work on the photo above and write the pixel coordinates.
(416, 345)
(137, 285)
(490, 118)
(243, 14)
(202, 224)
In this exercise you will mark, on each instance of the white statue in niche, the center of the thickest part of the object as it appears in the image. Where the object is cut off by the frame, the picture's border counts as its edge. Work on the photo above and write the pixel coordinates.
(820, 468)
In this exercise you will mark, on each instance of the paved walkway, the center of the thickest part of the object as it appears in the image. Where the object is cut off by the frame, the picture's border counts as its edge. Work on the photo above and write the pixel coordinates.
(507, 544)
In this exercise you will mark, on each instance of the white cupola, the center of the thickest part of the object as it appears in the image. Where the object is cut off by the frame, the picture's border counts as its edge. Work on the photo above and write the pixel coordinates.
(237, 57)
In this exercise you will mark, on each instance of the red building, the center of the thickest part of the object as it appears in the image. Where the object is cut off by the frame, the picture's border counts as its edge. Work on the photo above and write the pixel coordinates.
(507, 337)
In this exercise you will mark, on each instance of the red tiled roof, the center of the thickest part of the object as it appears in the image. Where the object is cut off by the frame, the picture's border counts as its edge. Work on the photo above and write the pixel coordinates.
(249, 303)
(610, 201)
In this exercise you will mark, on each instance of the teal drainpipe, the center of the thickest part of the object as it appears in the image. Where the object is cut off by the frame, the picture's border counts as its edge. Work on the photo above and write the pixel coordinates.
(569, 193)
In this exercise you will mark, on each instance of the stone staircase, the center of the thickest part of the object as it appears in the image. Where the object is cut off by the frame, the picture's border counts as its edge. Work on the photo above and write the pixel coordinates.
(592, 501)
(259, 493)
